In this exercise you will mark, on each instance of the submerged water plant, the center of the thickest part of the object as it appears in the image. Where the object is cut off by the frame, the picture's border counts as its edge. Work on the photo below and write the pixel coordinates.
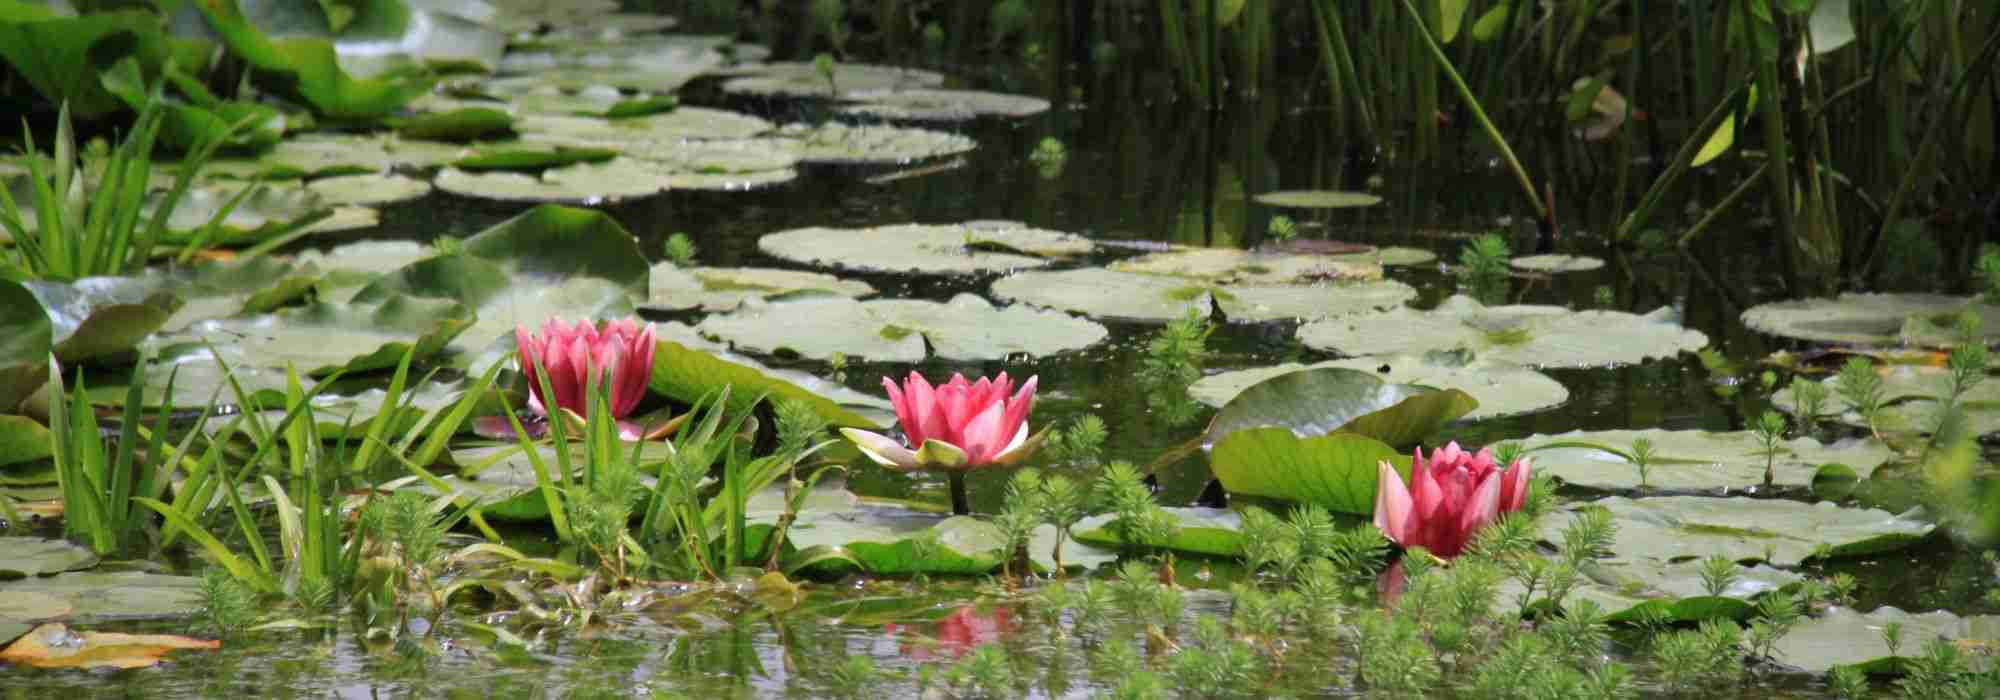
(1451, 496)
(563, 361)
(954, 427)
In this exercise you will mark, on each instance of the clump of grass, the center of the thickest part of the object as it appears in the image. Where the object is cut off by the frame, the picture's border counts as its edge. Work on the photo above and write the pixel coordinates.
(1485, 256)
(680, 250)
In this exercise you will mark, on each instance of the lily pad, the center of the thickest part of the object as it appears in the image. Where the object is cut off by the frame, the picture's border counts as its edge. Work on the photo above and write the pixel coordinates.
(726, 288)
(505, 489)
(1534, 336)
(1502, 389)
(1233, 266)
(1556, 263)
(1870, 319)
(1693, 459)
(321, 338)
(1215, 532)
(891, 539)
(898, 330)
(26, 557)
(312, 155)
(111, 596)
(368, 257)
(942, 105)
(265, 212)
(372, 188)
(1846, 637)
(971, 247)
(99, 317)
(1336, 470)
(803, 79)
(1778, 532)
(837, 143)
(658, 63)
(55, 646)
(1912, 396)
(1166, 287)
(1628, 591)
(638, 133)
(22, 439)
(690, 374)
(1321, 401)
(384, 39)
(26, 337)
(1317, 199)
(1102, 293)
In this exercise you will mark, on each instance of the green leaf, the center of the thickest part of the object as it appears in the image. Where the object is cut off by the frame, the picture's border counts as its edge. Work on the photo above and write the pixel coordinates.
(306, 69)
(469, 124)
(688, 375)
(1325, 400)
(26, 337)
(532, 159)
(642, 106)
(61, 56)
(1490, 24)
(22, 439)
(1337, 471)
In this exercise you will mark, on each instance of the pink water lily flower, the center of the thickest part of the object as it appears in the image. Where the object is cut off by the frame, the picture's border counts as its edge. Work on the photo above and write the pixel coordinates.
(1451, 495)
(617, 353)
(959, 425)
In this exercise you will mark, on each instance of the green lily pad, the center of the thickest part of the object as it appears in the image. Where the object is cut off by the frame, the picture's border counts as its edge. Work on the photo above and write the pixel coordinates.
(1869, 319)
(312, 155)
(321, 338)
(1501, 389)
(1236, 266)
(531, 158)
(839, 144)
(890, 539)
(100, 317)
(688, 374)
(383, 38)
(265, 212)
(368, 257)
(1556, 263)
(457, 126)
(20, 609)
(1693, 459)
(506, 489)
(372, 188)
(658, 63)
(725, 288)
(971, 247)
(803, 79)
(27, 557)
(107, 596)
(1317, 199)
(1534, 336)
(1321, 401)
(1215, 532)
(307, 69)
(925, 104)
(1913, 396)
(619, 178)
(1336, 470)
(1628, 591)
(1846, 637)
(22, 439)
(1102, 293)
(898, 330)
(1778, 532)
(639, 133)
(60, 56)
(26, 338)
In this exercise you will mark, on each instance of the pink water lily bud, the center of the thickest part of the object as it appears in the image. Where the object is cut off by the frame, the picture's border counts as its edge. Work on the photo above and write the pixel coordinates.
(617, 353)
(957, 425)
(1450, 496)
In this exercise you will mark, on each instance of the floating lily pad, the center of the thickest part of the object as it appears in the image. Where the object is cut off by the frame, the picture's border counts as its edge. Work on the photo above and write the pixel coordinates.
(110, 596)
(686, 371)
(1778, 532)
(1846, 637)
(265, 212)
(942, 105)
(26, 336)
(1872, 319)
(372, 188)
(55, 646)
(1502, 389)
(504, 487)
(1534, 336)
(1336, 470)
(971, 247)
(531, 158)
(898, 330)
(725, 288)
(1215, 532)
(681, 124)
(27, 557)
(579, 183)
(890, 539)
(1628, 591)
(99, 317)
(1321, 401)
(838, 143)
(1556, 263)
(1318, 199)
(1102, 293)
(22, 439)
(345, 219)
(658, 63)
(1693, 459)
(1233, 265)
(1912, 396)
(312, 155)
(803, 79)
(368, 257)
(321, 338)
(22, 608)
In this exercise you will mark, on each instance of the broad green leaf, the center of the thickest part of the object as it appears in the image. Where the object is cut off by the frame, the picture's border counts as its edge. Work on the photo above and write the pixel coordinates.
(26, 337)
(1778, 532)
(1846, 637)
(1337, 471)
(1206, 531)
(307, 69)
(458, 125)
(1321, 401)
(688, 375)
(22, 439)
(1492, 22)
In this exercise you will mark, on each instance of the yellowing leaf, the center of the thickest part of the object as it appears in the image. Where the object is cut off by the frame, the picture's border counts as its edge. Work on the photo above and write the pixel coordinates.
(1718, 142)
(55, 646)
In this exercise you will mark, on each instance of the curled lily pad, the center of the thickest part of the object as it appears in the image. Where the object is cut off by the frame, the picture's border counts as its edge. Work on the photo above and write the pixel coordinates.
(26, 337)
(1778, 532)
(1502, 389)
(687, 371)
(1693, 459)
(898, 330)
(1846, 637)
(99, 317)
(1556, 263)
(837, 143)
(1873, 319)
(925, 104)
(1318, 199)
(804, 79)
(1535, 336)
(1321, 401)
(725, 288)
(27, 557)
(373, 188)
(976, 246)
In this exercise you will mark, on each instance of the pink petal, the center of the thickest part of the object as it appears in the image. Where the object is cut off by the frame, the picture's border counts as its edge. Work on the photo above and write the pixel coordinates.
(1514, 485)
(983, 436)
(1019, 405)
(1394, 512)
(1480, 510)
(905, 416)
(1426, 497)
(638, 372)
(931, 423)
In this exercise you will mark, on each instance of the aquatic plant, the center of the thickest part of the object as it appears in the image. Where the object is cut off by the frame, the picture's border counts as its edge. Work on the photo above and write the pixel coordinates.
(1082, 441)
(1770, 430)
(563, 362)
(1861, 388)
(1988, 270)
(1642, 458)
(954, 427)
(1451, 496)
(680, 250)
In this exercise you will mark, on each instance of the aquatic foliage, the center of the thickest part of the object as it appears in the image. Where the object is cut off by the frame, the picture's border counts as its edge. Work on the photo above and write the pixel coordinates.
(1451, 496)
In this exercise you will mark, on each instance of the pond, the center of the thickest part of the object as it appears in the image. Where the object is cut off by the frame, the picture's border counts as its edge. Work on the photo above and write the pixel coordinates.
(1117, 247)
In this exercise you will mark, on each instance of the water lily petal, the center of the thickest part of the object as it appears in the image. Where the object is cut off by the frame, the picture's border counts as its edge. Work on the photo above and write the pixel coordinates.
(1394, 510)
(982, 434)
(937, 454)
(1514, 485)
(1020, 404)
(882, 449)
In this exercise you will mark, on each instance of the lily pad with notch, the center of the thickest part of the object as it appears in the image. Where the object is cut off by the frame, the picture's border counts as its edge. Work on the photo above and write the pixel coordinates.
(840, 144)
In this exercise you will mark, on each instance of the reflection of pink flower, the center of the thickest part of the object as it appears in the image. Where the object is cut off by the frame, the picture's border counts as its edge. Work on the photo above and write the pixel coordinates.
(958, 425)
(1451, 495)
(960, 632)
(618, 353)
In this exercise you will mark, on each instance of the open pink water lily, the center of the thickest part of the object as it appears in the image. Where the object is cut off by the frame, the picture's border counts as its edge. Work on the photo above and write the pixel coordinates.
(957, 426)
(617, 353)
(1451, 495)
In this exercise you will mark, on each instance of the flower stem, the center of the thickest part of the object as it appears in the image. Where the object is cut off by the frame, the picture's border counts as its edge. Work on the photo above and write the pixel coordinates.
(960, 505)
